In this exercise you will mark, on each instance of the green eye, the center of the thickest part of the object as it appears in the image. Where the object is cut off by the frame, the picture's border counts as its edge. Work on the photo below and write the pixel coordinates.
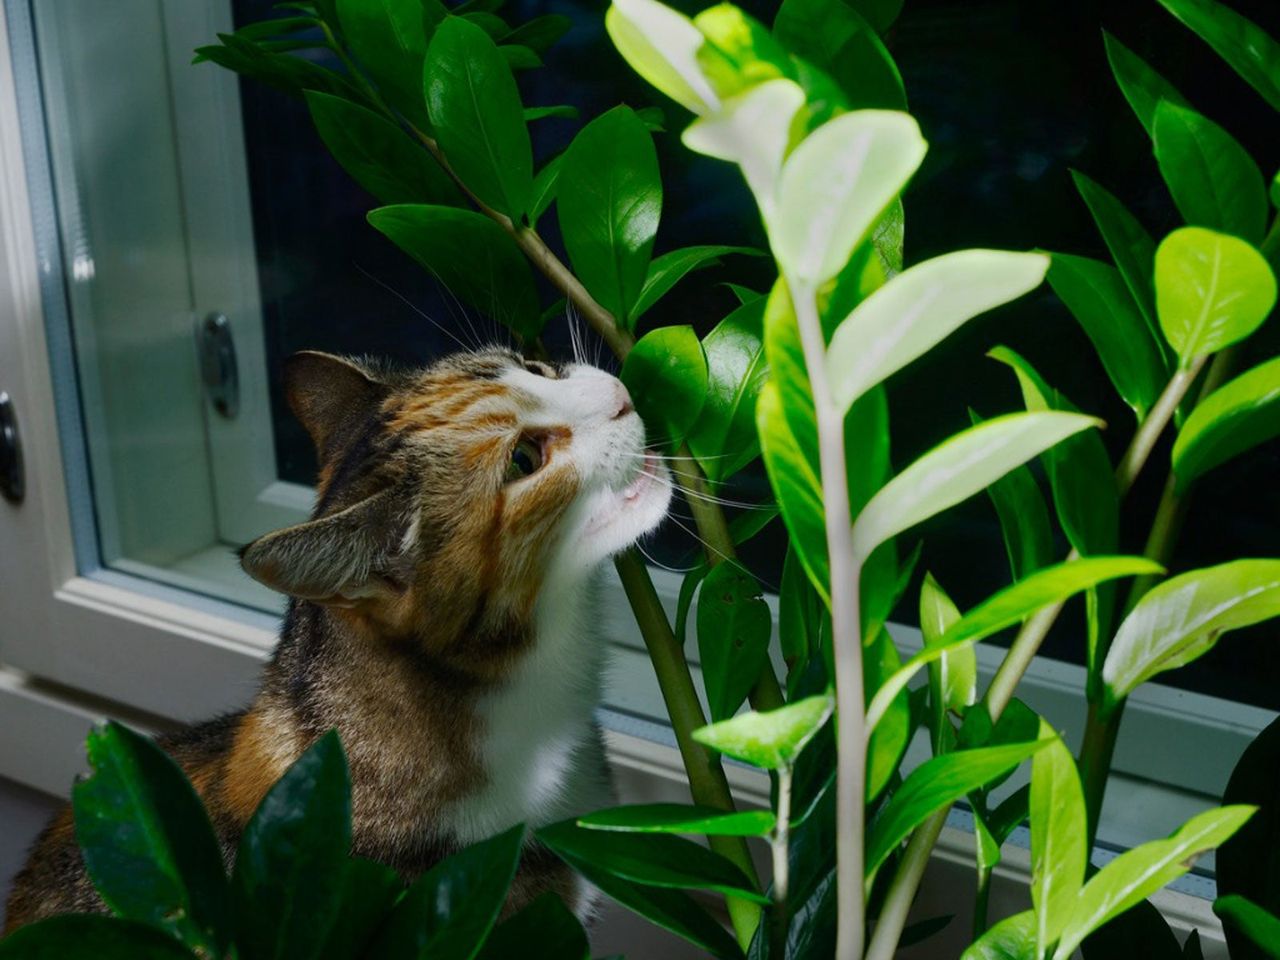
(526, 458)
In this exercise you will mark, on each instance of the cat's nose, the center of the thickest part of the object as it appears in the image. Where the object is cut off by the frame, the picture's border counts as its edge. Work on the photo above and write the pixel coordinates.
(621, 401)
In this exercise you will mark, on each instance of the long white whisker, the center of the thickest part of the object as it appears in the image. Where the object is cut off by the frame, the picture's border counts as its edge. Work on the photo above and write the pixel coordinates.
(413, 306)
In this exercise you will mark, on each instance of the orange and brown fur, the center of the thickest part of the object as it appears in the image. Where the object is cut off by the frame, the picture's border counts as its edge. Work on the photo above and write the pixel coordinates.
(440, 614)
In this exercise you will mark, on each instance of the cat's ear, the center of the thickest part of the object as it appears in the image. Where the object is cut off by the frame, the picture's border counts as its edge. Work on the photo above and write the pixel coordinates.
(331, 396)
(339, 559)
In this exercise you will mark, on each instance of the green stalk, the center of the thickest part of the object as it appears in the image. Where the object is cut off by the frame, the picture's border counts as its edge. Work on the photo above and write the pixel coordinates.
(902, 890)
(778, 843)
(980, 902)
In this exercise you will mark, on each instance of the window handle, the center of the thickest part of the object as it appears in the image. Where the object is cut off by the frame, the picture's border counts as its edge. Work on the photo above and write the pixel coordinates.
(13, 484)
(218, 364)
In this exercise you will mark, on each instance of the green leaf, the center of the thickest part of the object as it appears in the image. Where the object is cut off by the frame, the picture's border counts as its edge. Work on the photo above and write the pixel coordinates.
(1059, 848)
(520, 58)
(666, 373)
(1182, 618)
(1213, 180)
(1024, 519)
(724, 438)
(563, 111)
(1096, 295)
(610, 217)
(1236, 417)
(1142, 931)
(289, 874)
(369, 891)
(681, 818)
(654, 860)
(378, 154)
(957, 469)
(544, 930)
(147, 843)
(1136, 874)
(292, 75)
(74, 936)
(1249, 50)
(739, 53)
(540, 33)
(834, 187)
(1212, 290)
(1261, 927)
(833, 35)
(734, 626)
(486, 20)
(771, 739)
(935, 785)
(670, 268)
(471, 256)
(662, 46)
(544, 188)
(915, 310)
(1013, 938)
(449, 910)
(953, 677)
(389, 38)
(478, 119)
(887, 743)
(1141, 86)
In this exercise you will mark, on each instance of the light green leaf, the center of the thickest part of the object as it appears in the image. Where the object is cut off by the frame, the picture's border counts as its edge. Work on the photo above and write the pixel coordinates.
(957, 469)
(1258, 925)
(670, 268)
(1183, 617)
(934, 785)
(666, 373)
(1213, 180)
(1136, 874)
(610, 217)
(389, 38)
(1013, 938)
(1236, 417)
(739, 53)
(834, 187)
(771, 739)
(918, 308)
(724, 438)
(1141, 86)
(1024, 519)
(1212, 290)
(680, 818)
(953, 677)
(1096, 295)
(662, 46)
(734, 627)
(888, 741)
(1059, 846)
(478, 118)
(1249, 50)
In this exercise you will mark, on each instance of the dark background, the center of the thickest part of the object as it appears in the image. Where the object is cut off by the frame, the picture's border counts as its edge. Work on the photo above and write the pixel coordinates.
(1011, 94)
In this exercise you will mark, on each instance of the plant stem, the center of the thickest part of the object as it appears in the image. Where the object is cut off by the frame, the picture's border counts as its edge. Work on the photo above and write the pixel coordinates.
(1096, 753)
(707, 781)
(902, 891)
(846, 633)
(1153, 424)
(781, 867)
(980, 902)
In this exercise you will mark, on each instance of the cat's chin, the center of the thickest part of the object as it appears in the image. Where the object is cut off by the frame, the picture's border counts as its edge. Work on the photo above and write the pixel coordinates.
(621, 517)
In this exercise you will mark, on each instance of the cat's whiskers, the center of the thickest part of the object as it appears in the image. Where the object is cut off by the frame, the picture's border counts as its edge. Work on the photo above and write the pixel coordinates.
(414, 307)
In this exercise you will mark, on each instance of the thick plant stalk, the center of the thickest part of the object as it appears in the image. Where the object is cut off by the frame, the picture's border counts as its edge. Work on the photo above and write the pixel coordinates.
(902, 891)
(1153, 424)
(781, 867)
(846, 634)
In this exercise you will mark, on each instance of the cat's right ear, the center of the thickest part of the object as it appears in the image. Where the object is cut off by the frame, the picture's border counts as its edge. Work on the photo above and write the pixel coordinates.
(331, 396)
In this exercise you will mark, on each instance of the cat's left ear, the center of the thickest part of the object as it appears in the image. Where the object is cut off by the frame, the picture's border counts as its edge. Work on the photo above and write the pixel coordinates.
(337, 560)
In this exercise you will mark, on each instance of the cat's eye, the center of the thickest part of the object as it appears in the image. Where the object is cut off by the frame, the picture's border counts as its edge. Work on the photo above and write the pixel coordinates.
(526, 458)
(540, 369)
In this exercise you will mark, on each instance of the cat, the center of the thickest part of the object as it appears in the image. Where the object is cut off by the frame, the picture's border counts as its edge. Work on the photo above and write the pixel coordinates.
(440, 615)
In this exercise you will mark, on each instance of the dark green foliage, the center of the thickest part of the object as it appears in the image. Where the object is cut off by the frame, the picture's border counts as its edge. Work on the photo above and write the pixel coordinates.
(734, 625)
(99, 938)
(1141, 931)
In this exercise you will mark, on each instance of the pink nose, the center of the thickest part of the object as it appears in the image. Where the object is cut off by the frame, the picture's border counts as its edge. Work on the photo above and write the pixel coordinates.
(622, 402)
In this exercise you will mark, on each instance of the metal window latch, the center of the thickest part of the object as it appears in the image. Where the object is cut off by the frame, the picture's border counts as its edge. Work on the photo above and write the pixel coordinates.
(13, 483)
(218, 364)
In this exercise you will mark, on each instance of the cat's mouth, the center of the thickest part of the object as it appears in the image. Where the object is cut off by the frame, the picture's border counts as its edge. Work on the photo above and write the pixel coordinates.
(647, 476)
(624, 515)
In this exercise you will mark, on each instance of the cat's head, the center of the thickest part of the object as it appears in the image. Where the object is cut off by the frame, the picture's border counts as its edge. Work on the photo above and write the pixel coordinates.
(449, 496)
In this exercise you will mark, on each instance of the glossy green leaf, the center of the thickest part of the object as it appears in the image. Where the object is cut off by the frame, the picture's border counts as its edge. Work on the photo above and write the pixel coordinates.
(1097, 297)
(478, 118)
(544, 930)
(834, 187)
(1236, 417)
(471, 256)
(992, 828)
(610, 217)
(562, 112)
(289, 875)
(1261, 927)
(1059, 846)
(544, 188)
(147, 843)
(670, 268)
(957, 469)
(1141, 86)
(1136, 874)
(1024, 519)
(290, 74)
(666, 373)
(379, 155)
(915, 310)
(1130, 244)
(389, 38)
(486, 20)
(450, 909)
(1249, 49)
(771, 739)
(935, 785)
(724, 438)
(681, 818)
(887, 743)
(1213, 180)
(654, 859)
(1182, 618)
(1013, 938)
(74, 936)
(734, 627)
(836, 37)
(662, 46)
(369, 891)
(540, 33)
(953, 677)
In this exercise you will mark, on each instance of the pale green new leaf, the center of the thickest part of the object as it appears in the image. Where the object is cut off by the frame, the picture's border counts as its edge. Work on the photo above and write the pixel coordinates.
(1249, 49)
(1183, 617)
(662, 46)
(771, 739)
(1059, 848)
(1013, 938)
(953, 677)
(957, 469)
(1135, 875)
(1212, 290)
(918, 308)
(834, 187)
(1236, 417)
